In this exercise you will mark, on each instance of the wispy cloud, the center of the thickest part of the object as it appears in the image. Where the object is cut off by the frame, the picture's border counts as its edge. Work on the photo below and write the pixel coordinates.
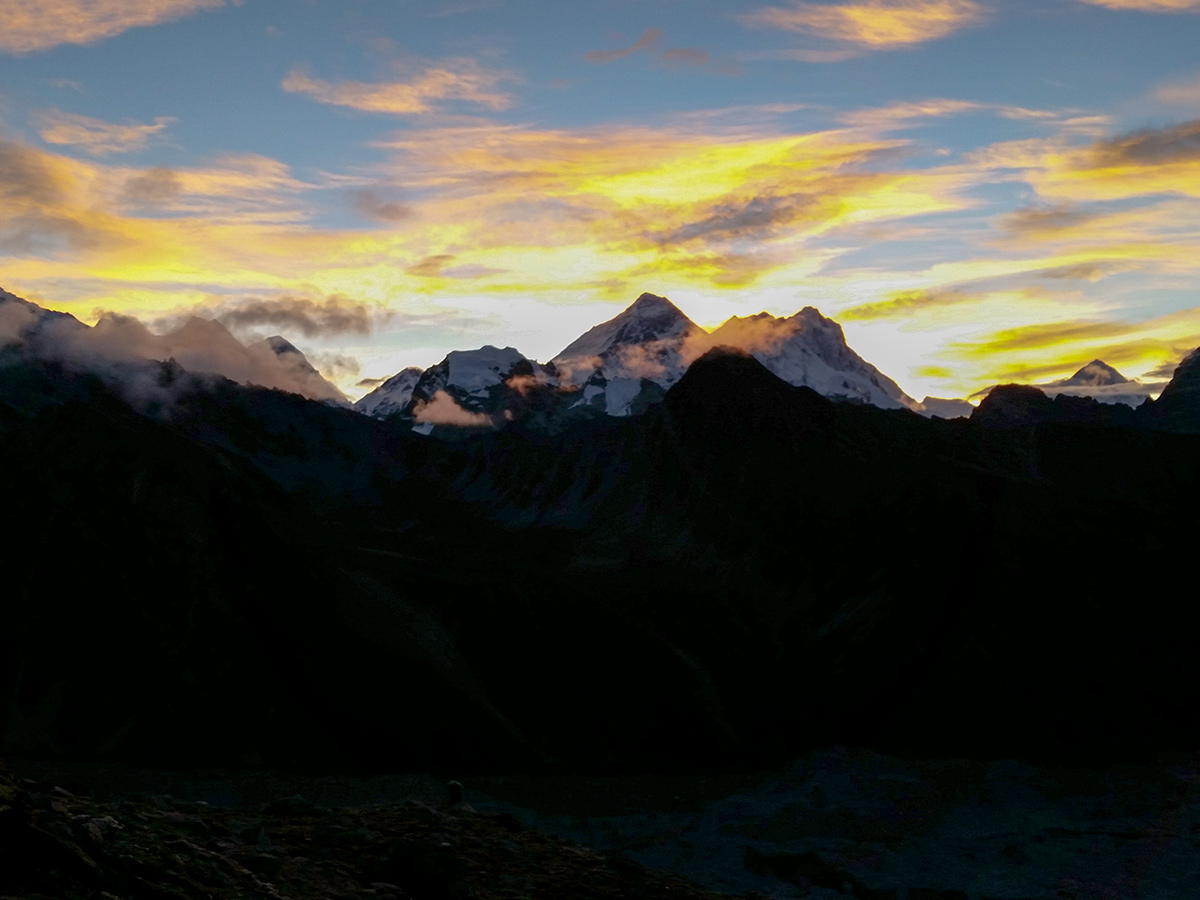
(650, 42)
(334, 316)
(1156, 6)
(373, 205)
(1150, 147)
(686, 56)
(26, 27)
(1180, 93)
(873, 24)
(650, 37)
(682, 198)
(904, 303)
(94, 136)
(458, 79)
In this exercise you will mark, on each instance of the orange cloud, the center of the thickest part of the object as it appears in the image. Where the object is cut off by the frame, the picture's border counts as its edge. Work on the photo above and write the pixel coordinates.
(442, 409)
(875, 24)
(94, 136)
(452, 79)
(26, 27)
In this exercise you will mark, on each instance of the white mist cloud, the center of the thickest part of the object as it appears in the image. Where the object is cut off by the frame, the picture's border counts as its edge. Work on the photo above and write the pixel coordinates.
(442, 409)
(761, 334)
(114, 346)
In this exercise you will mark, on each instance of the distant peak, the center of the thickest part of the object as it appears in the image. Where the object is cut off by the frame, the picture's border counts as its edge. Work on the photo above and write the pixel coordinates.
(1095, 373)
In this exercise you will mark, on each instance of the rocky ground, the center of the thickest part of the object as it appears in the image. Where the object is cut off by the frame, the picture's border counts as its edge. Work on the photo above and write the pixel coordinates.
(61, 845)
(834, 824)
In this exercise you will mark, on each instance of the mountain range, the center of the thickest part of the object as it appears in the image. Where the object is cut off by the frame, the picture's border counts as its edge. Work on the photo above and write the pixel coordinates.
(621, 366)
(212, 573)
(618, 368)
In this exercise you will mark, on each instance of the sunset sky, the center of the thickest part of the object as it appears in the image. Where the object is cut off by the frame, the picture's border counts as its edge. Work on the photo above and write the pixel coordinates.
(978, 191)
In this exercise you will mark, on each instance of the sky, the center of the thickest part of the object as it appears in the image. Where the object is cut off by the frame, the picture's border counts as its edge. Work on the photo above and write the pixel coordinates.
(979, 192)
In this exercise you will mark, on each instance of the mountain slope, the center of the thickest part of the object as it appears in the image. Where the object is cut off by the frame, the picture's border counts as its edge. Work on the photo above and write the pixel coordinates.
(391, 397)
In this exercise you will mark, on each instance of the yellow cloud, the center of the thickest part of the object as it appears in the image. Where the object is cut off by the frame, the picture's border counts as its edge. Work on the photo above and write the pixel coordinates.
(703, 206)
(29, 26)
(1137, 164)
(94, 136)
(452, 79)
(1035, 351)
(903, 303)
(876, 24)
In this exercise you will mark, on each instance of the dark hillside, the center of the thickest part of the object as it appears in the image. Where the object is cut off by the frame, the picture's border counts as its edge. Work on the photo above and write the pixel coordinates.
(745, 571)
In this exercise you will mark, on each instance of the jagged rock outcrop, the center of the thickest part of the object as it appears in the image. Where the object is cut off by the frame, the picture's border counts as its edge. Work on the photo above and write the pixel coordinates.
(1178, 406)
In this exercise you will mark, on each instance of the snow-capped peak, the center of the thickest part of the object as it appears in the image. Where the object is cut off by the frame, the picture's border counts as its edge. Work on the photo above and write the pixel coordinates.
(475, 371)
(648, 318)
(811, 350)
(644, 342)
(1095, 374)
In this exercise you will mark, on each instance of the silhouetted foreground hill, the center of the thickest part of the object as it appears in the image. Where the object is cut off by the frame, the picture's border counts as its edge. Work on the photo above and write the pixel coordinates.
(242, 577)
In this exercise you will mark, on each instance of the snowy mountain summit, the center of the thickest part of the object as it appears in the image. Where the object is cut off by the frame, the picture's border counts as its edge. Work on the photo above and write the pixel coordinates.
(1102, 382)
(644, 341)
(809, 349)
(1097, 373)
(630, 360)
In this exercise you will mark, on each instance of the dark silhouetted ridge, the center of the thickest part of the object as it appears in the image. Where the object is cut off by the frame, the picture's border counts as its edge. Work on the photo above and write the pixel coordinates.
(1178, 407)
(731, 388)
